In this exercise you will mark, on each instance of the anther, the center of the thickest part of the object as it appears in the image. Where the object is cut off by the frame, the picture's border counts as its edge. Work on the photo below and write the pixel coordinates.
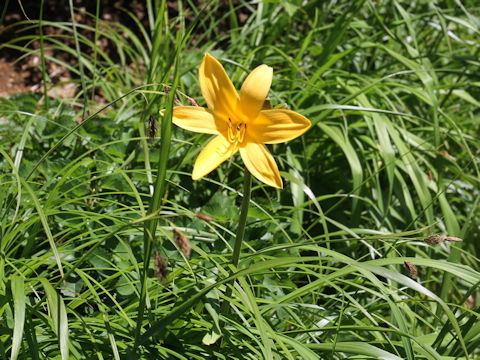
(241, 134)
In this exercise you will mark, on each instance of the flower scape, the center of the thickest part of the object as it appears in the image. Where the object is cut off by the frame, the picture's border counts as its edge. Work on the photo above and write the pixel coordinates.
(239, 121)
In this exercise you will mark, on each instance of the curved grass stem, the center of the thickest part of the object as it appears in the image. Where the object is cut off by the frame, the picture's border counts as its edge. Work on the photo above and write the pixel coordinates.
(158, 196)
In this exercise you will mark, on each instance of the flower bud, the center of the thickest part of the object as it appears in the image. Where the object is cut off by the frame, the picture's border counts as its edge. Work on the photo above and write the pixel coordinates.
(435, 239)
(204, 217)
(410, 269)
(182, 242)
(452, 238)
(161, 271)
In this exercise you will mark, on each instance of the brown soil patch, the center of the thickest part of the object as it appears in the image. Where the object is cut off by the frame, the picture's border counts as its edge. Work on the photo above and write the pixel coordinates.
(20, 72)
(11, 80)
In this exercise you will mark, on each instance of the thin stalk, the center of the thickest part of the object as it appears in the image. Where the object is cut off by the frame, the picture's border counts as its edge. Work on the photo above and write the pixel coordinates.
(154, 77)
(247, 187)
(42, 55)
(158, 194)
(80, 64)
(4, 11)
(95, 49)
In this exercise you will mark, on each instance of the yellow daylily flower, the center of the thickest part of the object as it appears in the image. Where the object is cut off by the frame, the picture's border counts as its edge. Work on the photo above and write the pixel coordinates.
(239, 122)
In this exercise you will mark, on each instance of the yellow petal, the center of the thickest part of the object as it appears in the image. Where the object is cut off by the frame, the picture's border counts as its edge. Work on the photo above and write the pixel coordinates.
(254, 90)
(198, 119)
(277, 126)
(217, 89)
(217, 151)
(261, 164)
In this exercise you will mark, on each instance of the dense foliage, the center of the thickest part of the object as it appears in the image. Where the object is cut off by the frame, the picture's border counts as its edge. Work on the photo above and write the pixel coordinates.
(392, 90)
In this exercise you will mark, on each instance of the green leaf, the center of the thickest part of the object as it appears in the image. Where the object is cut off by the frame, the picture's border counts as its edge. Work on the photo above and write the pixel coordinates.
(18, 294)
(58, 315)
(356, 348)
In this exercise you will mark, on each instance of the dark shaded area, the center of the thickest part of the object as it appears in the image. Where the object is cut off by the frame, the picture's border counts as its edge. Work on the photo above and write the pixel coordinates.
(18, 19)
(24, 74)
(58, 11)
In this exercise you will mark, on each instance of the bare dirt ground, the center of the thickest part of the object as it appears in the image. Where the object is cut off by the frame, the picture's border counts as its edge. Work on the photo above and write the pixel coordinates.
(11, 80)
(20, 73)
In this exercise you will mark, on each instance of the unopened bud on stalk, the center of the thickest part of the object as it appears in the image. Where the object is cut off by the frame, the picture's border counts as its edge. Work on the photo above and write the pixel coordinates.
(204, 217)
(452, 238)
(152, 128)
(161, 271)
(191, 100)
(182, 241)
(410, 269)
(471, 301)
(435, 239)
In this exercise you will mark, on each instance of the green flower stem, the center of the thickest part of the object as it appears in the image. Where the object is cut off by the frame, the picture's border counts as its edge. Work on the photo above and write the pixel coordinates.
(247, 186)
(158, 196)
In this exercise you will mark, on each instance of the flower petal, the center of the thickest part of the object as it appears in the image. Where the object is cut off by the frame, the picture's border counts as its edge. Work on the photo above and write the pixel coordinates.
(277, 126)
(254, 90)
(217, 89)
(217, 151)
(261, 164)
(198, 119)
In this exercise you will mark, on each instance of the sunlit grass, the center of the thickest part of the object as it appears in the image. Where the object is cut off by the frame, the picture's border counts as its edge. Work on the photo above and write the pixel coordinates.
(392, 92)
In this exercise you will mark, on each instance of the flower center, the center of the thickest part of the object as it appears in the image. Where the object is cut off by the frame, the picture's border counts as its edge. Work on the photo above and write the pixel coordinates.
(236, 132)
(235, 136)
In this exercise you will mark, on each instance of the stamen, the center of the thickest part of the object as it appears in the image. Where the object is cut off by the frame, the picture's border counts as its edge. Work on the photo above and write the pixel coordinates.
(231, 136)
(241, 134)
(236, 132)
